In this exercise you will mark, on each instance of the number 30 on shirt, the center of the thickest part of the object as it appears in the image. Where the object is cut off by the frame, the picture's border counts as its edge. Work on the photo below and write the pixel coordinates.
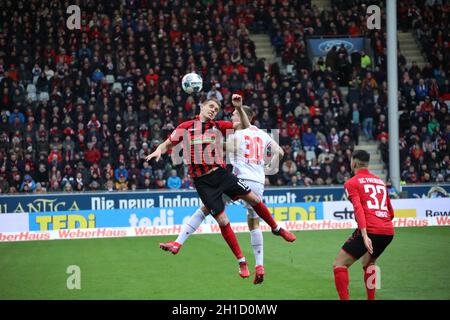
(253, 149)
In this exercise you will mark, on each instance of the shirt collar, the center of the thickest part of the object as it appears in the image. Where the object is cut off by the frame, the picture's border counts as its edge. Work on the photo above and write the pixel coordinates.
(362, 171)
(197, 118)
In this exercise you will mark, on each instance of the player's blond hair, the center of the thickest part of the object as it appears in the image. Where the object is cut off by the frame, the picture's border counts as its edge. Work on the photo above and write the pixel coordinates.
(214, 100)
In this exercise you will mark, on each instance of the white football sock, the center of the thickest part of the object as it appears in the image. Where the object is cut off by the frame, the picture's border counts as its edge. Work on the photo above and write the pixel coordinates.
(256, 237)
(189, 228)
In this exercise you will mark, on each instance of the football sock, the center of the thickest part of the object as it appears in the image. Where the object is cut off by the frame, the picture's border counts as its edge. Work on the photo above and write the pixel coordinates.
(230, 238)
(189, 228)
(264, 213)
(341, 281)
(256, 238)
(369, 272)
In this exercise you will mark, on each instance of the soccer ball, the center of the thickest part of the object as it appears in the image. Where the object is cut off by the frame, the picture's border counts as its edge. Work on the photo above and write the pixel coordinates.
(192, 83)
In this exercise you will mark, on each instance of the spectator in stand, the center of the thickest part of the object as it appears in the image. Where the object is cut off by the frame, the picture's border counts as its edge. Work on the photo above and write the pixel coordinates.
(92, 155)
(367, 114)
(187, 183)
(16, 114)
(67, 187)
(160, 182)
(343, 175)
(393, 193)
(214, 92)
(55, 157)
(309, 140)
(289, 169)
(4, 185)
(365, 60)
(421, 89)
(79, 182)
(409, 175)
(121, 171)
(28, 184)
(39, 189)
(332, 58)
(174, 181)
(293, 182)
(122, 183)
(116, 85)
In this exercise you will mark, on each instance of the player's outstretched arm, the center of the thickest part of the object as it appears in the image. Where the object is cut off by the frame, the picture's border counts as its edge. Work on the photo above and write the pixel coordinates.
(276, 149)
(236, 100)
(272, 165)
(162, 149)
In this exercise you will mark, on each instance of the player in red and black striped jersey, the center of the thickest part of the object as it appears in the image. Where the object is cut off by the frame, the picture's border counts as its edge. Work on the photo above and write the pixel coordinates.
(197, 136)
(374, 214)
(203, 152)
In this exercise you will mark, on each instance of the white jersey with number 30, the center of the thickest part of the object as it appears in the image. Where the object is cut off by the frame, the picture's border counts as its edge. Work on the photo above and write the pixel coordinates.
(252, 147)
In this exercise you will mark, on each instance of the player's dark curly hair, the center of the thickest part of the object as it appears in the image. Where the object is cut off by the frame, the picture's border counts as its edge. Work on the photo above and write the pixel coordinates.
(361, 155)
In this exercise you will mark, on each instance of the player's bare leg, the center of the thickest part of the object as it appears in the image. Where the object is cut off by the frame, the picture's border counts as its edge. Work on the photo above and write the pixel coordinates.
(186, 230)
(262, 211)
(340, 268)
(368, 263)
(256, 238)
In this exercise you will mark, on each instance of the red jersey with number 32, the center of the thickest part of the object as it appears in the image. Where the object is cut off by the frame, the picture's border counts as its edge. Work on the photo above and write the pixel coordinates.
(371, 203)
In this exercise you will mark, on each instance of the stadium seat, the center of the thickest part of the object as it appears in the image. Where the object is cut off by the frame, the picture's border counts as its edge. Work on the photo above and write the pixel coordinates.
(110, 79)
(117, 85)
(31, 88)
(32, 96)
(44, 96)
(310, 155)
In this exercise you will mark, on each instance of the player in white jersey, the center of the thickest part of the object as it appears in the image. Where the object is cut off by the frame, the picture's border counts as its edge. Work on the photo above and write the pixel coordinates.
(253, 153)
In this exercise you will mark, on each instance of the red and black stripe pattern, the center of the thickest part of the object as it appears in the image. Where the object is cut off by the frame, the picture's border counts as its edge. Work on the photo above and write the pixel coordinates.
(202, 144)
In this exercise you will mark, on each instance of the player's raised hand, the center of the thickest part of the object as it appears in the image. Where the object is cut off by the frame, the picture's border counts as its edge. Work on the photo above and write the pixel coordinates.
(368, 244)
(155, 154)
(236, 100)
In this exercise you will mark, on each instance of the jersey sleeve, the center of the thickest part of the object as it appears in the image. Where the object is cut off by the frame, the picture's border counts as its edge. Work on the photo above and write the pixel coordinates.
(267, 140)
(224, 126)
(177, 135)
(267, 143)
(390, 208)
(355, 199)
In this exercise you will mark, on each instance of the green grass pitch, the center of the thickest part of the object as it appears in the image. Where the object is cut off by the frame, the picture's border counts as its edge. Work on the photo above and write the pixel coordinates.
(414, 266)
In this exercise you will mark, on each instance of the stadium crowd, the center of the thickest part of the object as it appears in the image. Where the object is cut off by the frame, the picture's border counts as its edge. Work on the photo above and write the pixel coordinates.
(80, 109)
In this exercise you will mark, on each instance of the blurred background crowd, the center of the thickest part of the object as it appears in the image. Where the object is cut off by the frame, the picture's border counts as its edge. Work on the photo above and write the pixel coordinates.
(80, 109)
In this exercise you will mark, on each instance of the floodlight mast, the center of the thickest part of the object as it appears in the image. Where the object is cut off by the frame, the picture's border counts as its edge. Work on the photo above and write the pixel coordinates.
(392, 72)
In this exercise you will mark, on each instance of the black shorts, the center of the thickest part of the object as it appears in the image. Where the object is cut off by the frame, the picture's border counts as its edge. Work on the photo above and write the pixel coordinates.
(211, 186)
(355, 247)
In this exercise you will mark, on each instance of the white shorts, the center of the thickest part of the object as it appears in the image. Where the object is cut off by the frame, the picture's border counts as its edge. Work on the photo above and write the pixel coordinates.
(257, 188)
